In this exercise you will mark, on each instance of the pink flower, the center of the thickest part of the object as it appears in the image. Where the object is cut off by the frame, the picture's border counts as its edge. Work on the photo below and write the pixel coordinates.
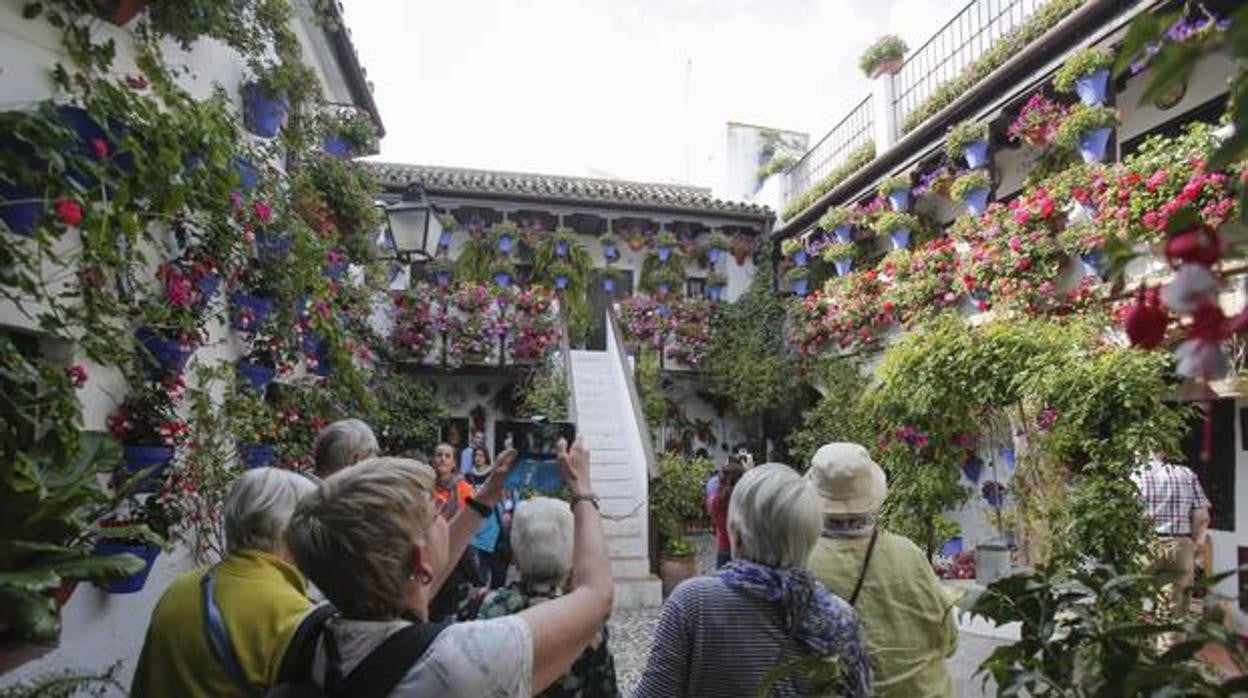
(264, 212)
(77, 375)
(100, 147)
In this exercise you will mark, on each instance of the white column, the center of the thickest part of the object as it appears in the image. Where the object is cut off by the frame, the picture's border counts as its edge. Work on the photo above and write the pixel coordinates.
(883, 112)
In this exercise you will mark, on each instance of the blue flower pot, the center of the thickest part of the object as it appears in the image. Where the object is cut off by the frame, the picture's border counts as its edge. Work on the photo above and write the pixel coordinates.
(504, 243)
(257, 455)
(976, 201)
(995, 497)
(502, 279)
(900, 238)
(800, 286)
(610, 251)
(137, 458)
(256, 377)
(665, 251)
(444, 238)
(561, 248)
(1092, 88)
(1092, 145)
(248, 177)
(336, 147)
(86, 130)
(164, 356)
(323, 368)
(20, 208)
(799, 258)
(561, 282)
(1093, 263)
(272, 246)
(261, 308)
(442, 279)
(313, 343)
(263, 113)
(122, 161)
(608, 284)
(664, 310)
(208, 285)
(899, 199)
(663, 287)
(952, 547)
(972, 468)
(976, 154)
(844, 265)
(337, 270)
(135, 582)
(844, 233)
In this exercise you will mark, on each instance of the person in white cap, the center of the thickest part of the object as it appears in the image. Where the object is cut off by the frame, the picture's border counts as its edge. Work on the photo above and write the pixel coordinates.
(905, 611)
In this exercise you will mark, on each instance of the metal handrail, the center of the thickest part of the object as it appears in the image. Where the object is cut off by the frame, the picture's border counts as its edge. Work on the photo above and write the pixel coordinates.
(634, 400)
(850, 132)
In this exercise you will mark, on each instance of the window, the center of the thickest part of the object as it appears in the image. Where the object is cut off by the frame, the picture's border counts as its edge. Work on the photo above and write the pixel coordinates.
(695, 288)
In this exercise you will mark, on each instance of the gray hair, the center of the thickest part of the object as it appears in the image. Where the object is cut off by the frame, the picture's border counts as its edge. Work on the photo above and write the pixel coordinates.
(774, 516)
(541, 540)
(259, 506)
(342, 444)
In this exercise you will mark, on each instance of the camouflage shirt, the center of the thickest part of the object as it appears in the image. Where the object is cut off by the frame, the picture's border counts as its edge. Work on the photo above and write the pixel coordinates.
(593, 674)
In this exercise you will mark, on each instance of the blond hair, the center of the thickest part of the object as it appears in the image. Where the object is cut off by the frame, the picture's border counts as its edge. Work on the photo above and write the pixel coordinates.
(353, 536)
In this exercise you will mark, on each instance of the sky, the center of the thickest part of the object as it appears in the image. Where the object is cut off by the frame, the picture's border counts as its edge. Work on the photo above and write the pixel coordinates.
(635, 89)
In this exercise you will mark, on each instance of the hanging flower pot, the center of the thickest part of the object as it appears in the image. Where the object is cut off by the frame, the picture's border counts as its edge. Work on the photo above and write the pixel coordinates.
(336, 147)
(137, 458)
(20, 209)
(972, 190)
(257, 455)
(442, 279)
(255, 377)
(800, 258)
(899, 238)
(561, 248)
(1093, 263)
(249, 312)
(272, 246)
(135, 582)
(952, 547)
(844, 265)
(91, 142)
(1093, 87)
(502, 278)
(976, 201)
(505, 243)
(664, 310)
(899, 199)
(844, 233)
(608, 284)
(976, 154)
(1007, 457)
(610, 251)
(665, 252)
(263, 113)
(972, 467)
(163, 356)
(561, 282)
(994, 493)
(248, 177)
(663, 287)
(207, 285)
(1092, 145)
(800, 286)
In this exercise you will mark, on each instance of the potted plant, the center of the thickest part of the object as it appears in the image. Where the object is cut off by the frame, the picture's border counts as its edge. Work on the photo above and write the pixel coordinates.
(163, 355)
(442, 271)
(505, 235)
(138, 530)
(795, 249)
(972, 467)
(972, 190)
(249, 312)
(968, 141)
(258, 367)
(265, 104)
(560, 272)
(1085, 241)
(610, 246)
(565, 239)
(678, 495)
(798, 279)
(1037, 121)
(897, 190)
(884, 57)
(256, 429)
(743, 246)
(1087, 128)
(838, 221)
(842, 255)
(664, 280)
(897, 226)
(348, 133)
(1087, 75)
(717, 245)
(611, 276)
(716, 282)
(503, 272)
(149, 429)
(663, 243)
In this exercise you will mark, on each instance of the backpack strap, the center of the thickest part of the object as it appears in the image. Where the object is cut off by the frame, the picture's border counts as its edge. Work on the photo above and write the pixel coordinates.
(384, 667)
(301, 650)
(218, 636)
(862, 574)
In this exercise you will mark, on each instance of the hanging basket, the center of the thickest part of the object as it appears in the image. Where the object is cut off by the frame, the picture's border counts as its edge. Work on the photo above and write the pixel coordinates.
(20, 208)
(1093, 87)
(255, 377)
(976, 201)
(844, 265)
(1093, 144)
(135, 582)
(249, 312)
(799, 257)
(972, 468)
(263, 113)
(1093, 263)
(976, 154)
(665, 252)
(164, 357)
(899, 199)
(336, 147)
(899, 238)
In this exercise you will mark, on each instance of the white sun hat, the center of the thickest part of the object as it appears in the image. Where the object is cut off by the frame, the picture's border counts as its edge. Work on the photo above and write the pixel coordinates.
(847, 480)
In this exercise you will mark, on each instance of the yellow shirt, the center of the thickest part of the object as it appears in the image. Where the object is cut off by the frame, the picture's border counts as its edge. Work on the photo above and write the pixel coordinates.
(262, 599)
(904, 610)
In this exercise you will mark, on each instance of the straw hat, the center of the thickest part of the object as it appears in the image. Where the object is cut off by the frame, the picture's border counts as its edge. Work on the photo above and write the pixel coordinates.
(847, 480)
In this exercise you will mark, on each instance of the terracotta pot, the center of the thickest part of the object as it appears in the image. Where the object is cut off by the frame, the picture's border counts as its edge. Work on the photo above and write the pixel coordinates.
(119, 12)
(888, 66)
(674, 570)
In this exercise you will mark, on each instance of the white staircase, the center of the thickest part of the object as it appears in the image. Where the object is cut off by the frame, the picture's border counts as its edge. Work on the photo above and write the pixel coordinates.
(606, 419)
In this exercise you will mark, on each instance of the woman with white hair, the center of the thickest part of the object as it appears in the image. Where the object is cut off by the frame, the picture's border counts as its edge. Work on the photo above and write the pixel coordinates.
(541, 541)
(907, 615)
(257, 596)
(341, 445)
(720, 635)
(372, 540)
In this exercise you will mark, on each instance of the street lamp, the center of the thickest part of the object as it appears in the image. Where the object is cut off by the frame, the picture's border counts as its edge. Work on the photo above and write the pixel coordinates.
(412, 229)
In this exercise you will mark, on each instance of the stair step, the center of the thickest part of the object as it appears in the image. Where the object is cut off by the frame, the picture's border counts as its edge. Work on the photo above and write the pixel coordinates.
(630, 567)
(624, 547)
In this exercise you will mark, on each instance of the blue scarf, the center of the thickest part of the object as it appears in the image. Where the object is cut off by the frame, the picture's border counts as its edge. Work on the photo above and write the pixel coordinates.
(815, 617)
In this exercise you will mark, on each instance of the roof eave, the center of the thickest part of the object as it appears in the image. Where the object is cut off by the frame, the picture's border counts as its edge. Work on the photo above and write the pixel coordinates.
(352, 70)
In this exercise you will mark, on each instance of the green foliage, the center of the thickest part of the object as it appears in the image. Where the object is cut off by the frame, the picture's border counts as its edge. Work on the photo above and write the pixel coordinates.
(1083, 119)
(779, 163)
(475, 260)
(887, 47)
(855, 160)
(68, 684)
(665, 238)
(1085, 62)
(544, 392)
(718, 241)
(889, 221)
(963, 135)
(838, 416)
(796, 274)
(969, 182)
(354, 127)
(408, 412)
(578, 267)
(834, 218)
(900, 182)
(747, 364)
(648, 377)
(678, 495)
(839, 250)
(791, 246)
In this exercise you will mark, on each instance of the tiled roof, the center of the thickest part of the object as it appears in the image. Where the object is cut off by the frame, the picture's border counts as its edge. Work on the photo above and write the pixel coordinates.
(641, 195)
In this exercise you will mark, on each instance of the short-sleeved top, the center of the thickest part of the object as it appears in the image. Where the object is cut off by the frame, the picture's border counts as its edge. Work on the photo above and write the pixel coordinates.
(477, 659)
(451, 499)
(1170, 493)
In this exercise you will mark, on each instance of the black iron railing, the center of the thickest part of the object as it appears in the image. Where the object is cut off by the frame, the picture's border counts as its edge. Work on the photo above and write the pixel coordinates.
(851, 133)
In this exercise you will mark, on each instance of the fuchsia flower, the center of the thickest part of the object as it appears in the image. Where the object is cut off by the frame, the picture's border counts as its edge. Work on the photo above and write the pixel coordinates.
(69, 212)
(99, 146)
(77, 375)
(264, 212)
(1046, 419)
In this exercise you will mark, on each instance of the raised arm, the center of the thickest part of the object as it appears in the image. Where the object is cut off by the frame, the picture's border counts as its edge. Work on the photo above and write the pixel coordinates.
(466, 521)
(564, 627)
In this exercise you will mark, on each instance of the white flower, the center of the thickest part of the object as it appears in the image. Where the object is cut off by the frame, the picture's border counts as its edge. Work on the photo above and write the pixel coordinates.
(1192, 285)
(1198, 358)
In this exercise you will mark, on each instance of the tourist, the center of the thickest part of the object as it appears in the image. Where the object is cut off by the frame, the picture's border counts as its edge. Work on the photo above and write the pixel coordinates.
(905, 612)
(485, 545)
(733, 470)
(1178, 510)
(451, 492)
(372, 540)
(467, 455)
(719, 635)
(342, 444)
(542, 541)
(259, 596)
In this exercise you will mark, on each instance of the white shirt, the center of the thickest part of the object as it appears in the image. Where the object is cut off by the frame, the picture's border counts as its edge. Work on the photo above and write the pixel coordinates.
(477, 659)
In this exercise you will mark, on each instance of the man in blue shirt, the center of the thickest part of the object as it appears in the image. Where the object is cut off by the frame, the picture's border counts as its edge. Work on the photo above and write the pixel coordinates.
(465, 456)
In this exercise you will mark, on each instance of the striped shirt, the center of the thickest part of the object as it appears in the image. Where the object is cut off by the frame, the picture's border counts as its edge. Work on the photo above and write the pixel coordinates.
(715, 641)
(1170, 493)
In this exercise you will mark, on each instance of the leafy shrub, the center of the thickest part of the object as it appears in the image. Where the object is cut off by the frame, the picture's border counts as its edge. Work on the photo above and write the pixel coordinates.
(885, 48)
(854, 161)
(1085, 62)
(895, 220)
(678, 495)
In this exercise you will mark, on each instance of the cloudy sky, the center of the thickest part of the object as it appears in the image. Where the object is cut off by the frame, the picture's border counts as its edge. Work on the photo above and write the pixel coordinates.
(639, 89)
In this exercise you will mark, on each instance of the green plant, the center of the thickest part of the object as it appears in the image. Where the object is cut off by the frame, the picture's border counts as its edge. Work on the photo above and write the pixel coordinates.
(835, 218)
(354, 127)
(839, 250)
(408, 412)
(855, 160)
(543, 393)
(1083, 119)
(796, 274)
(677, 496)
(502, 266)
(1080, 239)
(718, 241)
(648, 378)
(963, 135)
(577, 265)
(68, 684)
(886, 48)
(975, 180)
(791, 246)
(609, 238)
(889, 221)
(900, 182)
(779, 163)
(1085, 62)
(507, 228)
(665, 238)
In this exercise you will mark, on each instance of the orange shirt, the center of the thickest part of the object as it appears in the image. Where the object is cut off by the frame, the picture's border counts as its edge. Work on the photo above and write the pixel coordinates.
(450, 506)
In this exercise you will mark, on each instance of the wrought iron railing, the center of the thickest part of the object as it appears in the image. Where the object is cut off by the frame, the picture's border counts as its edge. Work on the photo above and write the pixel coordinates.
(954, 47)
(851, 133)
